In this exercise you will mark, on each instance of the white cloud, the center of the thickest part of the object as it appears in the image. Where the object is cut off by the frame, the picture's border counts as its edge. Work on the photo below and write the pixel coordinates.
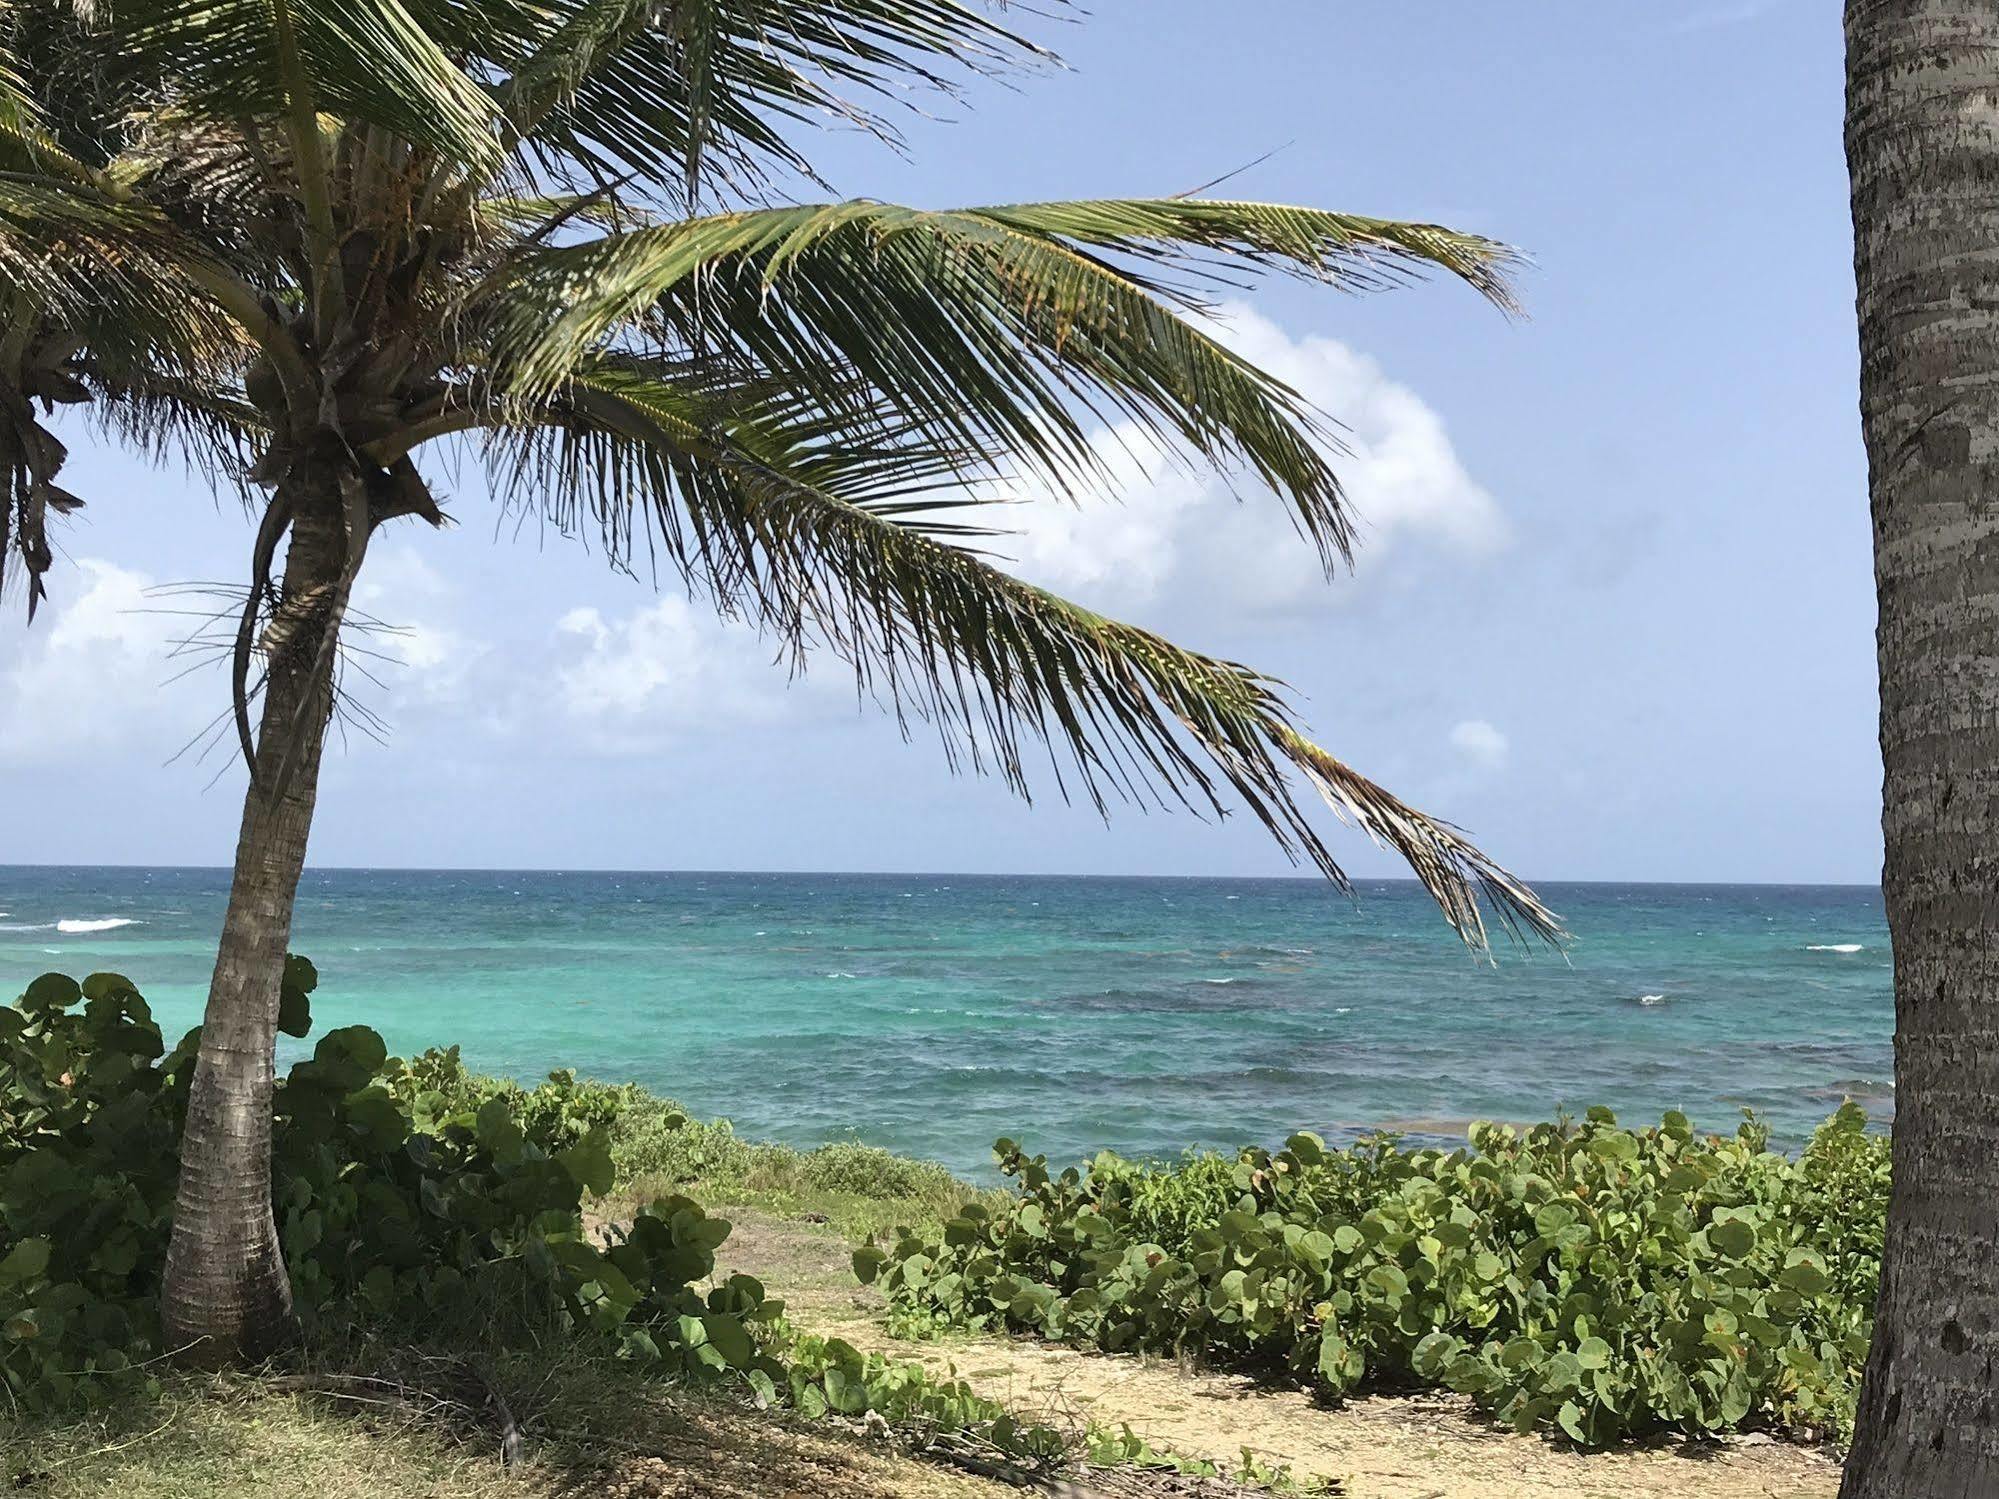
(1480, 743)
(1715, 17)
(634, 682)
(416, 607)
(89, 677)
(596, 680)
(1183, 537)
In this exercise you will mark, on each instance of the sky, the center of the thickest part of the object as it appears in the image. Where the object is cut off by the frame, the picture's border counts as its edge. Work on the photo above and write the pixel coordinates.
(1613, 610)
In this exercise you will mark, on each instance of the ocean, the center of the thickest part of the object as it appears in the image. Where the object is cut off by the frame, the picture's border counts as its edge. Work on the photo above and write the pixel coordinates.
(933, 1013)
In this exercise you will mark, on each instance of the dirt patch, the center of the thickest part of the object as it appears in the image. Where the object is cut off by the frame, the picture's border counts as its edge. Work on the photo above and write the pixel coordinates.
(1425, 1447)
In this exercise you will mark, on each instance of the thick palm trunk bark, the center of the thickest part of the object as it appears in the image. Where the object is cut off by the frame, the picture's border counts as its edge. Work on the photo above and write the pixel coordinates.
(1923, 148)
(227, 1291)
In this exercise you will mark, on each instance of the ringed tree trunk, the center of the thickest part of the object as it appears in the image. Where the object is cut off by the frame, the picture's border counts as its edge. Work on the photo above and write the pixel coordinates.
(226, 1289)
(1922, 136)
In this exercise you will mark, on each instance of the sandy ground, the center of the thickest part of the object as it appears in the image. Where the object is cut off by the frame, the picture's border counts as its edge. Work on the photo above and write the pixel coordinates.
(1431, 1447)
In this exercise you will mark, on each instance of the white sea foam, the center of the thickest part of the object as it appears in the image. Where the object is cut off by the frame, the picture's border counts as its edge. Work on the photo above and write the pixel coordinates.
(1836, 947)
(28, 926)
(1218, 981)
(1651, 999)
(73, 925)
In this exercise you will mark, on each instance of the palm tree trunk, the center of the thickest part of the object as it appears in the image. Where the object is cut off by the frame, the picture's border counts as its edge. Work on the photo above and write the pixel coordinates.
(1923, 148)
(226, 1289)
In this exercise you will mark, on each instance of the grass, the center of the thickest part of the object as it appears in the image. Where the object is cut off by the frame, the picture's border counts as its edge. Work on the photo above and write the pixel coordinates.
(859, 1191)
(599, 1427)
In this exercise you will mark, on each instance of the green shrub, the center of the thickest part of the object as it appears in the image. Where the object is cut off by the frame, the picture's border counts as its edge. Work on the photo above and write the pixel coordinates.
(401, 1192)
(861, 1190)
(90, 1107)
(870, 1171)
(1600, 1280)
(554, 1115)
(408, 1194)
(664, 1146)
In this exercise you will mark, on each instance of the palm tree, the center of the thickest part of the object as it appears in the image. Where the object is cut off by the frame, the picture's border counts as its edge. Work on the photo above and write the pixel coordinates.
(552, 232)
(1922, 143)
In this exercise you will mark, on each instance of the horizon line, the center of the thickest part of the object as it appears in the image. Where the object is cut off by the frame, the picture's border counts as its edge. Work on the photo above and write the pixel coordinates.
(958, 874)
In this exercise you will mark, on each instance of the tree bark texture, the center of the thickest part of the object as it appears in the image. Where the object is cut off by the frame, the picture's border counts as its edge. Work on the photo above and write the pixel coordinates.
(1922, 136)
(227, 1291)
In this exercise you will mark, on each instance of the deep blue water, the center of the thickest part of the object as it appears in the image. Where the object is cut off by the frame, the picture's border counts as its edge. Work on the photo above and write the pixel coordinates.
(931, 1013)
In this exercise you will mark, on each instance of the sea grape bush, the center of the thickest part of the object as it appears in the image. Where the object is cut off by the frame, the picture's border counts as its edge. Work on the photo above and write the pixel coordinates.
(553, 1115)
(407, 1193)
(1600, 1280)
(389, 1201)
(86, 1183)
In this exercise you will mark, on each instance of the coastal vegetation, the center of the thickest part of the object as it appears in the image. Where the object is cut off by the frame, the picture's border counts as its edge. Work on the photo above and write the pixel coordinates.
(451, 1233)
(399, 1200)
(317, 248)
(1604, 1281)
(426, 1212)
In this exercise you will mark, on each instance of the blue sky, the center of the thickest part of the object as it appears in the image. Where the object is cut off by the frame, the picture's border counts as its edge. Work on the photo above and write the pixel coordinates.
(1614, 614)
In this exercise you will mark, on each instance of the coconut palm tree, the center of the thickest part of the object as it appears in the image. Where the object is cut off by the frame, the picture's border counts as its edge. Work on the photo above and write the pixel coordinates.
(559, 234)
(1922, 137)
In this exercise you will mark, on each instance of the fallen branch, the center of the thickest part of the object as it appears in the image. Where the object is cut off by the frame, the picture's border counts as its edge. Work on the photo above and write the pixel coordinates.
(365, 1389)
(510, 1431)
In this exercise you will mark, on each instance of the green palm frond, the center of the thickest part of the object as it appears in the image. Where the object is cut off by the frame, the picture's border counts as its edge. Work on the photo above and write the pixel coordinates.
(26, 146)
(628, 87)
(76, 76)
(28, 142)
(1003, 331)
(117, 276)
(806, 541)
(589, 478)
(368, 62)
(1352, 251)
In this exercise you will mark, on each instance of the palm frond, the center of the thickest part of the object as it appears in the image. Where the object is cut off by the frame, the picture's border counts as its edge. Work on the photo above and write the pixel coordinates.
(369, 62)
(1352, 251)
(116, 276)
(805, 540)
(75, 79)
(629, 87)
(193, 418)
(1004, 331)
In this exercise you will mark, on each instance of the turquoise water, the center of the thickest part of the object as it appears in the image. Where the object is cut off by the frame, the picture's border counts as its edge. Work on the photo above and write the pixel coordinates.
(931, 1013)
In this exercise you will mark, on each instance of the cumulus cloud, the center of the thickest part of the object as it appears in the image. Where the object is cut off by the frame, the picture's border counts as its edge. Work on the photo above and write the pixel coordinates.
(91, 676)
(1480, 743)
(1183, 536)
(406, 615)
(670, 666)
(597, 680)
